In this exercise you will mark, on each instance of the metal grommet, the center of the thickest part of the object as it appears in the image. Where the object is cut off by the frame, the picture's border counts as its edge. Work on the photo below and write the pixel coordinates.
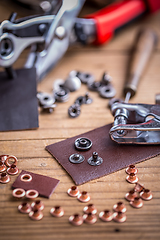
(26, 177)
(106, 216)
(73, 191)
(4, 178)
(74, 110)
(119, 207)
(76, 219)
(107, 91)
(2, 167)
(146, 194)
(90, 208)
(95, 160)
(10, 157)
(37, 205)
(3, 158)
(85, 77)
(83, 143)
(76, 158)
(36, 215)
(24, 207)
(62, 95)
(84, 197)
(18, 193)
(131, 169)
(72, 82)
(132, 178)
(90, 218)
(13, 170)
(57, 211)
(139, 187)
(31, 194)
(131, 195)
(119, 217)
(137, 202)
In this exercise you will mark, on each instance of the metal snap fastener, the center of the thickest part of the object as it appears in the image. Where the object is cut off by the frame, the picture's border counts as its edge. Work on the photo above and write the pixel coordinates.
(94, 86)
(107, 91)
(85, 77)
(83, 143)
(95, 160)
(76, 158)
(74, 110)
(62, 95)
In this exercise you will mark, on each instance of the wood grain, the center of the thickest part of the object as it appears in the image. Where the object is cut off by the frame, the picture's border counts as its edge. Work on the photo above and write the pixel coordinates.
(29, 147)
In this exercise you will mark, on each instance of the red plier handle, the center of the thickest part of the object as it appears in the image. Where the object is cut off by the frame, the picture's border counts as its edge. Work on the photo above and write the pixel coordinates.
(116, 15)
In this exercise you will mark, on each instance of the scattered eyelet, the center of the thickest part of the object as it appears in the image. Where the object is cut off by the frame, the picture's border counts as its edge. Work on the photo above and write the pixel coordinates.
(76, 158)
(130, 196)
(131, 169)
(90, 218)
(83, 143)
(84, 197)
(119, 217)
(137, 203)
(2, 167)
(76, 219)
(3, 158)
(36, 215)
(26, 177)
(106, 216)
(4, 178)
(18, 193)
(37, 205)
(31, 194)
(13, 170)
(119, 207)
(73, 191)
(95, 160)
(11, 157)
(139, 187)
(146, 194)
(57, 211)
(90, 208)
(132, 178)
(24, 207)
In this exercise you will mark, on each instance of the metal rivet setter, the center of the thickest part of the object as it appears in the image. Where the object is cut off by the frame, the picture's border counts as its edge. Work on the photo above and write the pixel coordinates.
(119, 217)
(57, 211)
(131, 195)
(138, 187)
(137, 202)
(2, 167)
(73, 191)
(76, 219)
(36, 215)
(90, 208)
(74, 110)
(31, 194)
(24, 207)
(119, 207)
(95, 160)
(106, 216)
(76, 158)
(83, 197)
(13, 170)
(4, 178)
(90, 218)
(132, 178)
(11, 157)
(131, 169)
(83, 143)
(37, 205)
(18, 193)
(146, 194)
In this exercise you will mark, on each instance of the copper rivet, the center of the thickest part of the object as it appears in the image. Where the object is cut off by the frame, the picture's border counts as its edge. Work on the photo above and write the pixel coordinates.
(11, 157)
(132, 178)
(3, 158)
(119, 207)
(137, 203)
(18, 193)
(57, 211)
(37, 205)
(138, 187)
(90, 208)
(13, 170)
(76, 219)
(26, 177)
(146, 194)
(24, 207)
(106, 216)
(90, 218)
(2, 167)
(131, 169)
(119, 217)
(130, 196)
(4, 178)
(36, 215)
(84, 197)
(73, 191)
(31, 194)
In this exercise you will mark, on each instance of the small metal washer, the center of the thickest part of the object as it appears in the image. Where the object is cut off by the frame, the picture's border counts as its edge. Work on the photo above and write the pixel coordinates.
(76, 158)
(83, 143)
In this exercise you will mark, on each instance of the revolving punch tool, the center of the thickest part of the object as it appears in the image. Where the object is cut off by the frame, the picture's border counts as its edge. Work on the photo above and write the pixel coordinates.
(50, 35)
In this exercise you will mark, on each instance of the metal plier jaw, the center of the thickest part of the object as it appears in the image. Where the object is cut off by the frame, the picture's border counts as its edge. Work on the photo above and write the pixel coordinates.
(135, 123)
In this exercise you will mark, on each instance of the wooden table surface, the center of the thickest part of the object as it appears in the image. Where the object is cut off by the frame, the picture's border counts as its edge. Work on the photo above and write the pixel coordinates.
(29, 147)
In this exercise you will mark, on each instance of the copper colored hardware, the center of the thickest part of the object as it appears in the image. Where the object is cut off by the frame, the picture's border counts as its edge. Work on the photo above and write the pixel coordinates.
(2, 167)
(138, 187)
(24, 207)
(90, 218)
(76, 219)
(146, 194)
(119, 207)
(90, 208)
(57, 211)
(26, 177)
(137, 203)
(3, 158)
(119, 217)
(130, 196)
(73, 191)
(132, 178)
(4, 178)
(37, 205)
(131, 169)
(18, 193)
(84, 197)
(106, 216)
(31, 194)
(36, 215)
(13, 170)
(11, 157)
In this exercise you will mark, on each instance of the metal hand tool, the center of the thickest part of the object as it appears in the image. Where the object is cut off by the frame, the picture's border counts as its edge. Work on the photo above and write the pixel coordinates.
(137, 123)
(50, 35)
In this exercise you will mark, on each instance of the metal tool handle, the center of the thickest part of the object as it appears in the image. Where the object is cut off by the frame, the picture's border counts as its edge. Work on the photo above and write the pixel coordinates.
(145, 43)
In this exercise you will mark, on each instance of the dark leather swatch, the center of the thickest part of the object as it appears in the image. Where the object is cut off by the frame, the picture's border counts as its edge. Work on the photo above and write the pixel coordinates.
(43, 184)
(18, 101)
(115, 156)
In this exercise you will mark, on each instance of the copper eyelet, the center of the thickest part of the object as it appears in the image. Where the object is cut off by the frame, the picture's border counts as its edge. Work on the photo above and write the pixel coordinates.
(18, 193)
(31, 194)
(11, 157)
(26, 177)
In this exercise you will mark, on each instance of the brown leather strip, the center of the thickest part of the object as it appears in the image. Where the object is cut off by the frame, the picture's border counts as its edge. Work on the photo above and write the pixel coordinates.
(115, 157)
